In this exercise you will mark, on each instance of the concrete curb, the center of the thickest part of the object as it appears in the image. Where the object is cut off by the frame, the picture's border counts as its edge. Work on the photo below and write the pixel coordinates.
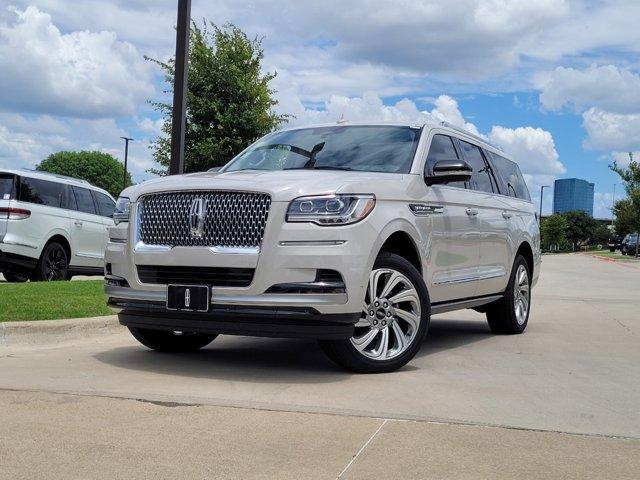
(51, 331)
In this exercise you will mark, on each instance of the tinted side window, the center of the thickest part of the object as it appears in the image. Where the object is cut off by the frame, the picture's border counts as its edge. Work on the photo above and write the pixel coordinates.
(42, 192)
(84, 200)
(511, 181)
(106, 206)
(68, 199)
(442, 148)
(480, 179)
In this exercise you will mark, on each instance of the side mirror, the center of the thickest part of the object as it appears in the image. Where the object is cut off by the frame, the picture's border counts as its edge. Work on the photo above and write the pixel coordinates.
(446, 171)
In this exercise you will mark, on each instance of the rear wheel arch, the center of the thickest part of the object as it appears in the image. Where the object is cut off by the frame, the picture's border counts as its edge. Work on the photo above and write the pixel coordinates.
(527, 252)
(63, 241)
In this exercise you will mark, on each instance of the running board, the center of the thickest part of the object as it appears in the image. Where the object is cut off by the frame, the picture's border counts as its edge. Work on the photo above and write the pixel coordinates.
(444, 307)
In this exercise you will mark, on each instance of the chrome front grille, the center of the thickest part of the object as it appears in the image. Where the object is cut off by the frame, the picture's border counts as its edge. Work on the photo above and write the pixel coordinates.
(230, 219)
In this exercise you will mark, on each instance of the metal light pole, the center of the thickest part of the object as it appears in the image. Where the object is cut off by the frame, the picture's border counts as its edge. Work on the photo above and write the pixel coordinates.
(613, 203)
(178, 118)
(126, 157)
(541, 195)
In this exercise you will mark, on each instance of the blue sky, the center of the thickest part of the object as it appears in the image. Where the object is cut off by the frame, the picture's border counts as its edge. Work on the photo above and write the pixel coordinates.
(554, 82)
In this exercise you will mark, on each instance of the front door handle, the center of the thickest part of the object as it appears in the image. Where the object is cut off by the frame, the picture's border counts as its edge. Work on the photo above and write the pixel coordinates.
(507, 215)
(472, 212)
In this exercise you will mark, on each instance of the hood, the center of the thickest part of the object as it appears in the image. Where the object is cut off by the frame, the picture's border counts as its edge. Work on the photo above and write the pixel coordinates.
(282, 185)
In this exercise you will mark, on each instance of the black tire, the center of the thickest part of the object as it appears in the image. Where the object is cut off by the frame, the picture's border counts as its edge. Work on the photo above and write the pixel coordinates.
(15, 277)
(53, 264)
(344, 353)
(502, 315)
(612, 250)
(623, 250)
(171, 342)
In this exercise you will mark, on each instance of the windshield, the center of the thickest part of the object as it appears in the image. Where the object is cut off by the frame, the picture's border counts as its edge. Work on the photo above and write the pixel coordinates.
(363, 148)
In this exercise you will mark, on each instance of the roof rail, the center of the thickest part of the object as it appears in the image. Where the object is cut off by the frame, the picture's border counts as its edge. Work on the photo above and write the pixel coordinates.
(470, 134)
(57, 175)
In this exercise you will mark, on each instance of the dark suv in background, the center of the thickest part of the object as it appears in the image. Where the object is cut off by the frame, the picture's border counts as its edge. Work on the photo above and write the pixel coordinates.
(629, 244)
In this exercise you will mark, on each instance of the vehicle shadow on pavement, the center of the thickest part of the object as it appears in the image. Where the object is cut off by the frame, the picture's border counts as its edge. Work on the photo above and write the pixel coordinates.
(272, 360)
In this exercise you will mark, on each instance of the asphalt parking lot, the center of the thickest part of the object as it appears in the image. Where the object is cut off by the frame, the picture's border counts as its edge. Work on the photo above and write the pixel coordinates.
(560, 401)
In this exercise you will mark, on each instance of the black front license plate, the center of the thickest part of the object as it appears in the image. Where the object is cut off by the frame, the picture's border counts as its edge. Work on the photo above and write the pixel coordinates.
(190, 298)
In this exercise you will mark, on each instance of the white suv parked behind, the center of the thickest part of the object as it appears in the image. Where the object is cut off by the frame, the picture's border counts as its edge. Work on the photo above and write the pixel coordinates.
(351, 234)
(51, 227)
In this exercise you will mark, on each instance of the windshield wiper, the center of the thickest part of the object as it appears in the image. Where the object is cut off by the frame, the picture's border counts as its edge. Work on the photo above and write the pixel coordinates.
(312, 155)
(331, 167)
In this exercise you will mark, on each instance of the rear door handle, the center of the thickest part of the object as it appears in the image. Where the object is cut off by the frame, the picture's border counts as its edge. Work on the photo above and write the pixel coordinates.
(507, 215)
(472, 212)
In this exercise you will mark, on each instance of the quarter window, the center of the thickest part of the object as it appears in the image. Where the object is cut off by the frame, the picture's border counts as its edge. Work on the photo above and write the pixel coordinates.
(106, 206)
(42, 192)
(84, 200)
(511, 181)
(481, 177)
(442, 148)
(6, 187)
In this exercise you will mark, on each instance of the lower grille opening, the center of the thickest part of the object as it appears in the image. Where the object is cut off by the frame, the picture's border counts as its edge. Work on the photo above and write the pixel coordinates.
(326, 281)
(214, 276)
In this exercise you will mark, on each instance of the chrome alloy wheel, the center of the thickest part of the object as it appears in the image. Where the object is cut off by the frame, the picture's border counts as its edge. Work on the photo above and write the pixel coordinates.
(521, 295)
(390, 316)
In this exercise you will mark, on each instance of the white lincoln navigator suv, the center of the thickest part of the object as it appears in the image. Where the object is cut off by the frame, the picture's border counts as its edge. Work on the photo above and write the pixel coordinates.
(352, 234)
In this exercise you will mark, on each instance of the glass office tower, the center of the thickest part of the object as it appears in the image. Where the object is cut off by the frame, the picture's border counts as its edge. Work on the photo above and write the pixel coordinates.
(570, 194)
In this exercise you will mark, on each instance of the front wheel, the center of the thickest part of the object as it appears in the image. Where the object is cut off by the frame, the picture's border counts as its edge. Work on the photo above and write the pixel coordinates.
(171, 342)
(394, 320)
(510, 314)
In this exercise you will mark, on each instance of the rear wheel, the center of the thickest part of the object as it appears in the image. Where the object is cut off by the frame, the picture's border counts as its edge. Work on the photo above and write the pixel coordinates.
(510, 314)
(15, 277)
(53, 264)
(394, 320)
(171, 342)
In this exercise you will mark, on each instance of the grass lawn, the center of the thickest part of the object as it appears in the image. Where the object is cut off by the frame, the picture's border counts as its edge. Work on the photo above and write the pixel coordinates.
(614, 255)
(52, 300)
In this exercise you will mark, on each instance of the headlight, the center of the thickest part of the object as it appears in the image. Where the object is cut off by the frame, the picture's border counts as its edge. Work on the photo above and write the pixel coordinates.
(121, 213)
(331, 209)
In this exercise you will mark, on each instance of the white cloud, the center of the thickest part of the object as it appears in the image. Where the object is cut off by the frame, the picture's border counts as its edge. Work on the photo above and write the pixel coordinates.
(82, 73)
(611, 131)
(26, 141)
(533, 148)
(623, 159)
(605, 87)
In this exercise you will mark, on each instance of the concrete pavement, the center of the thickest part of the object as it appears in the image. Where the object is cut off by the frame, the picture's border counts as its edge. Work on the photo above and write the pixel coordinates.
(575, 370)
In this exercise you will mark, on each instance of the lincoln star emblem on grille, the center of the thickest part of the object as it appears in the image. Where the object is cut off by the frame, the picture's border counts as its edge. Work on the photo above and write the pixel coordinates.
(197, 214)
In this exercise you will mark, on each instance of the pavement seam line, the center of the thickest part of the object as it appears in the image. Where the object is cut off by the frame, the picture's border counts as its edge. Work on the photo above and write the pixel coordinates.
(319, 411)
(344, 470)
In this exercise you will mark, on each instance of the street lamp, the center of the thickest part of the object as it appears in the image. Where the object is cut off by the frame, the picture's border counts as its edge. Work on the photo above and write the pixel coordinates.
(541, 195)
(126, 156)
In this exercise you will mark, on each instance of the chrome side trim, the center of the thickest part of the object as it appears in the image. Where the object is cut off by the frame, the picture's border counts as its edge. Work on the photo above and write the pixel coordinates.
(424, 210)
(311, 243)
(471, 279)
(88, 255)
(462, 304)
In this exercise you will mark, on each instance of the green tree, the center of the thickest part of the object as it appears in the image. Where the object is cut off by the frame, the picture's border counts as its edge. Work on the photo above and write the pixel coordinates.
(552, 231)
(98, 168)
(601, 234)
(581, 227)
(229, 102)
(628, 210)
(623, 222)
